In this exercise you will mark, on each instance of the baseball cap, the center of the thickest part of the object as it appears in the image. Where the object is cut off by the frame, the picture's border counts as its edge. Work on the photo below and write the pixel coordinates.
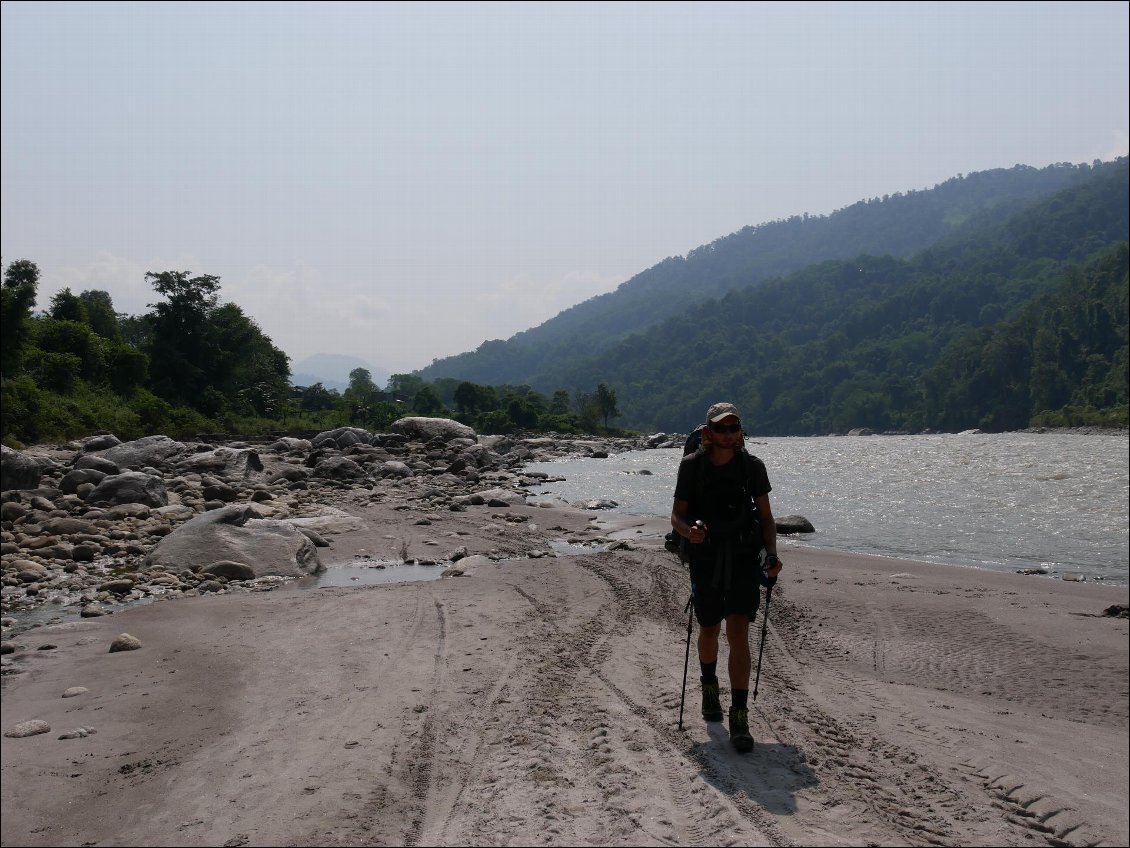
(721, 410)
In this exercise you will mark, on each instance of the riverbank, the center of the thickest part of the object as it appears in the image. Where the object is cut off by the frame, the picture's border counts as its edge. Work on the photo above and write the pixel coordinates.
(535, 700)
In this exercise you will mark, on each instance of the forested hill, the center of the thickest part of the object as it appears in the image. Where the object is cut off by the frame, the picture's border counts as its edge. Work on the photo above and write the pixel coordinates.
(1021, 321)
(898, 225)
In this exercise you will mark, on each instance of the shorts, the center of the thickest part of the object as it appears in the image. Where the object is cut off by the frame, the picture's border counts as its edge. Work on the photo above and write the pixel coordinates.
(712, 604)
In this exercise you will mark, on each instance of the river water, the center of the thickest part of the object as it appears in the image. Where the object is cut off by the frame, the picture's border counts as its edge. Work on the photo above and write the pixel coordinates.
(1005, 502)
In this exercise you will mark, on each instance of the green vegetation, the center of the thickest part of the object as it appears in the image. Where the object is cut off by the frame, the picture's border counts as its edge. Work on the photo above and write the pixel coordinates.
(194, 366)
(996, 301)
(1018, 321)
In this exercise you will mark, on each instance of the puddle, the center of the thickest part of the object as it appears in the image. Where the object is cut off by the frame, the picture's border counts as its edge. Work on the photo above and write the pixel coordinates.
(49, 613)
(564, 548)
(366, 573)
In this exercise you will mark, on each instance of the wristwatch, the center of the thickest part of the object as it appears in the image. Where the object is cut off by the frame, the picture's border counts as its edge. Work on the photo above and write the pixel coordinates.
(771, 560)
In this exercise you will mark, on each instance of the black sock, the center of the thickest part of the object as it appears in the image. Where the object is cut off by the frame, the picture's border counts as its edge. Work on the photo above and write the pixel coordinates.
(709, 672)
(739, 697)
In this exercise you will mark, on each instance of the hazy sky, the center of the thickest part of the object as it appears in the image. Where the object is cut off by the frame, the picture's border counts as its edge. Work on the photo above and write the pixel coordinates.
(400, 182)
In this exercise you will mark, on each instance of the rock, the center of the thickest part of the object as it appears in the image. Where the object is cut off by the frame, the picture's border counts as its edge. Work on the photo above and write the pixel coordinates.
(394, 468)
(342, 437)
(289, 443)
(313, 535)
(130, 487)
(12, 510)
(124, 642)
(18, 471)
(216, 491)
(230, 570)
(97, 463)
(229, 462)
(122, 586)
(93, 612)
(75, 691)
(149, 450)
(77, 476)
(601, 503)
(99, 443)
(68, 526)
(28, 728)
(339, 468)
(77, 733)
(790, 524)
(233, 533)
(426, 429)
(127, 510)
(290, 473)
(1117, 611)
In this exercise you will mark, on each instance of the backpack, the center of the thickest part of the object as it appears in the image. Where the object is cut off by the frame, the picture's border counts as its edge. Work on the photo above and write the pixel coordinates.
(694, 440)
(677, 544)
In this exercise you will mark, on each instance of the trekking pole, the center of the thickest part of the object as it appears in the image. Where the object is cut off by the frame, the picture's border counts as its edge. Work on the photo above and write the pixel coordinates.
(687, 661)
(764, 629)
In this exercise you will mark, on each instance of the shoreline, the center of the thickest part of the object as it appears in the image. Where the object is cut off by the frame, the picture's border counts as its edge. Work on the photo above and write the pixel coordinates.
(535, 699)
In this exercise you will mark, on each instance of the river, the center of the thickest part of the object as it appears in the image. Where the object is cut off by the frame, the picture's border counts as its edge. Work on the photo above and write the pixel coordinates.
(1005, 502)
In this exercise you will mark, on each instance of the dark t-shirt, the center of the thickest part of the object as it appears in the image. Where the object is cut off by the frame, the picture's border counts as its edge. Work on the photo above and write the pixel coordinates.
(715, 492)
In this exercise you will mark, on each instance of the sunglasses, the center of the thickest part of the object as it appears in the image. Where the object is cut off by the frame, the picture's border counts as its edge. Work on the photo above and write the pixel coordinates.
(726, 428)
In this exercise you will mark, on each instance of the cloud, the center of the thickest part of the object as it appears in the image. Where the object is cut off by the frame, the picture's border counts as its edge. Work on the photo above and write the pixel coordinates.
(1119, 147)
(525, 300)
(123, 278)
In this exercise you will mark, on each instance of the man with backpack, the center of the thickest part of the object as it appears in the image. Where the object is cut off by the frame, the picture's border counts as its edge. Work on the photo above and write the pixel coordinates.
(722, 510)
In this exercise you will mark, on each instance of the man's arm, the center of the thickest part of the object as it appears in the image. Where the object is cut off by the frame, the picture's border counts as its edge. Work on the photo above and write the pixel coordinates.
(680, 521)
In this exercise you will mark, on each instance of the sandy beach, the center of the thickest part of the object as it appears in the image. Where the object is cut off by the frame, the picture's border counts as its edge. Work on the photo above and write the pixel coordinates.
(535, 701)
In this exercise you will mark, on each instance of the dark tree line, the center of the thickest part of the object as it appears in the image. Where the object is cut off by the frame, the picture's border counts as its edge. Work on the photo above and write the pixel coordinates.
(1018, 324)
(190, 365)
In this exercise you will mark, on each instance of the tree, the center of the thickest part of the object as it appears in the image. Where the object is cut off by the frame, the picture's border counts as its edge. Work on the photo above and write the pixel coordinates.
(17, 297)
(100, 314)
(66, 306)
(361, 389)
(559, 405)
(605, 400)
(427, 401)
(404, 386)
(180, 353)
(317, 397)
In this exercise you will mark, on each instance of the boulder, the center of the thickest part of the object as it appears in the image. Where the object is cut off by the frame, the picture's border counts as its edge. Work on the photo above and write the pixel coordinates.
(339, 468)
(289, 473)
(234, 533)
(426, 429)
(149, 450)
(394, 468)
(100, 443)
(790, 524)
(227, 462)
(77, 476)
(290, 443)
(17, 470)
(98, 463)
(130, 487)
(342, 437)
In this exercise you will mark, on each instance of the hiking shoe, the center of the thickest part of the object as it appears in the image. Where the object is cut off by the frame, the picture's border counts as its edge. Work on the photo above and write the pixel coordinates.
(739, 731)
(711, 705)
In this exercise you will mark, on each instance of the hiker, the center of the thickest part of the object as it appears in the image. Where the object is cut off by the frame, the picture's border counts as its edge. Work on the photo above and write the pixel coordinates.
(722, 509)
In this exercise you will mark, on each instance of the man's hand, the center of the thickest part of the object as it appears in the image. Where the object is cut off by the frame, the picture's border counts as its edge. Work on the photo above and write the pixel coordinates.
(773, 566)
(697, 534)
